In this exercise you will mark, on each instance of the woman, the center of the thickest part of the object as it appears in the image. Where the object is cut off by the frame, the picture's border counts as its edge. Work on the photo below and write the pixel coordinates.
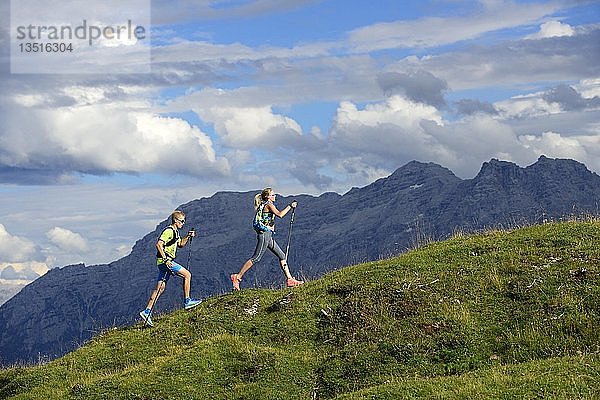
(264, 225)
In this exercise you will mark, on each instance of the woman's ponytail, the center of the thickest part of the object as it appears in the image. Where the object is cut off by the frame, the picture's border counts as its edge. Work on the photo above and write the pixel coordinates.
(257, 201)
(262, 196)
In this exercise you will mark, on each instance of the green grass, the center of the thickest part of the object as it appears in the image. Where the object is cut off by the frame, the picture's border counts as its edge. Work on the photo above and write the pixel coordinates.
(498, 315)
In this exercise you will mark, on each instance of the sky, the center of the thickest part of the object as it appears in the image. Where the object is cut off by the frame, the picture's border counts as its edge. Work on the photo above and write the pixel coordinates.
(100, 144)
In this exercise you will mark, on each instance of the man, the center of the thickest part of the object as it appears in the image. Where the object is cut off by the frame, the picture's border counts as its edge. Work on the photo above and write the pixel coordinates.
(166, 247)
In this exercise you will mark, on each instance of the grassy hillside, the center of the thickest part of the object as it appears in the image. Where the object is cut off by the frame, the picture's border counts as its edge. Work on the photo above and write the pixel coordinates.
(497, 315)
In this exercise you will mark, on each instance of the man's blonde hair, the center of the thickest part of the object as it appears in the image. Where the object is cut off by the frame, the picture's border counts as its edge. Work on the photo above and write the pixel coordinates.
(177, 214)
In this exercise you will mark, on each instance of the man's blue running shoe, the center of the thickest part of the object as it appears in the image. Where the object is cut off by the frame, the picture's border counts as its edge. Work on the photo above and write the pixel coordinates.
(146, 318)
(191, 303)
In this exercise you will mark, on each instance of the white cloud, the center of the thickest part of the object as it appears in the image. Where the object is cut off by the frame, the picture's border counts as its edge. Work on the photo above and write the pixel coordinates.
(86, 95)
(104, 138)
(67, 240)
(30, 100)
(527, 106)
(216, 55)
(436, 31)
(391, 128)
(247, 127)
(589, 88)
(14, 248)
(396, 110)
(552, 101)
(553, 29)
(585, 149)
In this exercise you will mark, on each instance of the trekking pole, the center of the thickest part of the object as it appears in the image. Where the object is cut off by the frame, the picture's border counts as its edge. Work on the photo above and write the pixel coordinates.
(187, 266)
(287, 248)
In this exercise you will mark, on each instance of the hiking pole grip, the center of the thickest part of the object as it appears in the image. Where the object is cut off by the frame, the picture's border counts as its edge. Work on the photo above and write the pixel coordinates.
(187, 266)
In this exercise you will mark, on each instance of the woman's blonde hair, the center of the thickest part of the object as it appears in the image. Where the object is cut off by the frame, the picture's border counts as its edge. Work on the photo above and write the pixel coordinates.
(262, 196)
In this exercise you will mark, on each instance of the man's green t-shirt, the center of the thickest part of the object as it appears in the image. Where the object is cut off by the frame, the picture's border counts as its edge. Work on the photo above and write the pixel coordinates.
(170, 238)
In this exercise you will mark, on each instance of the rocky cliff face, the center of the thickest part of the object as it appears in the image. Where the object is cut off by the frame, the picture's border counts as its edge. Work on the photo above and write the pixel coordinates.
(418, 202)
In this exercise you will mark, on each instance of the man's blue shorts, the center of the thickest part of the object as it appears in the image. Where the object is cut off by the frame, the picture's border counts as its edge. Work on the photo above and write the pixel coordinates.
(164, 272)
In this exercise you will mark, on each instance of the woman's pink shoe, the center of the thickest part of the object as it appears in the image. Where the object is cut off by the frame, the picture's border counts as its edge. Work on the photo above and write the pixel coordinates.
(294, 282)
(236, 281)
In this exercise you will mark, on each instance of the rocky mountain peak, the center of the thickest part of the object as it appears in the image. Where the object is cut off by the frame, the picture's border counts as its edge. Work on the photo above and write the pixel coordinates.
(501, 171)
(421, 170)
(559, 166)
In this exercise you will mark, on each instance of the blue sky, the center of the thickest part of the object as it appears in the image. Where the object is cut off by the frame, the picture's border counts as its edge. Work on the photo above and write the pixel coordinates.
(306, 96)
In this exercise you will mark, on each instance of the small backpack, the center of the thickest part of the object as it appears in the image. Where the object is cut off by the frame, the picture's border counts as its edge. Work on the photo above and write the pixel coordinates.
(257, 224)
(170, 242)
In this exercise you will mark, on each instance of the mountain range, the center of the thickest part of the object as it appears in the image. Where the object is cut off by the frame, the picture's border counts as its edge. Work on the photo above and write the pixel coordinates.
(418, 203)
